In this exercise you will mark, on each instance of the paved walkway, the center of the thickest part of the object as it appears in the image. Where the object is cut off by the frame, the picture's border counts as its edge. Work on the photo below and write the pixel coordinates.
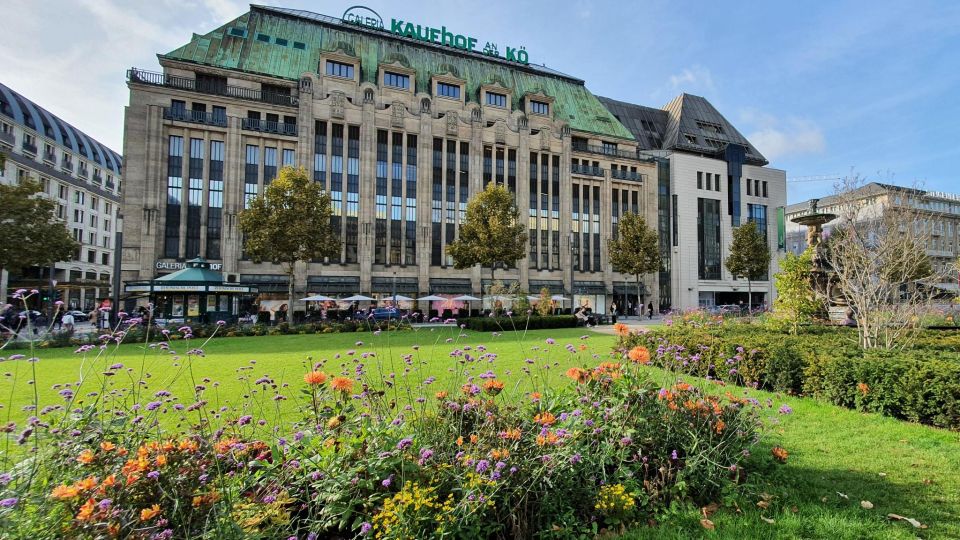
(633, 323)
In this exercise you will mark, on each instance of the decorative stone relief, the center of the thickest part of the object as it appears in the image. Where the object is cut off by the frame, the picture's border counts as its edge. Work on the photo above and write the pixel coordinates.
(453, 122)
(522, 122)
(501, 132)
(338, 103)
(397, 110)
(368, 95)
(425, 106)
(545, 139)
(306, 85)
(476, 115)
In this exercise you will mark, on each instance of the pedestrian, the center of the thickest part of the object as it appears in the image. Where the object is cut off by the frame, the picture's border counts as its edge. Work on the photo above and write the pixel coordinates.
(67, 322)
(58, 320)
(650, 310)
(629, 309)
(613, 312)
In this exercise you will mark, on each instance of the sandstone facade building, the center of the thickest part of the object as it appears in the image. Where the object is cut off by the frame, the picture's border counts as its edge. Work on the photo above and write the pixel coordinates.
(401, 124)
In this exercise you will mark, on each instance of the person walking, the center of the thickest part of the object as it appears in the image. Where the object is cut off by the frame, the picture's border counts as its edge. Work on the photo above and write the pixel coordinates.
(67, 322)
(613, 312)
(650, 310)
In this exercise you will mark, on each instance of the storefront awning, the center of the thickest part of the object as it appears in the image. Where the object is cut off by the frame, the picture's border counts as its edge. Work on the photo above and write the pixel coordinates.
(196, 277)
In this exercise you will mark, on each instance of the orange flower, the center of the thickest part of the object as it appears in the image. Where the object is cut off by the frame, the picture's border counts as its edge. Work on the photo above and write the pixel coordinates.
(549, 438)
(161, 460)
(720, 426)
(639, 355)
(342, 384)
(108, 482)
(315, 378)
(682, 387)
(499, 453)
(188, 445)
(780, 454)
(441, 394)
(460, 440)
(621, 329)
(493, 387)
(149, 513)
(864, 388)
(107, 446)
(535, 396)
(224, 446)
(122, 452)
(113, 530)
(578, 374)
(583, 346)
(86, 484)
(64, 492)
(545, 418)
(512, 434)
(474, 439)
(86, 511)
(86, 457)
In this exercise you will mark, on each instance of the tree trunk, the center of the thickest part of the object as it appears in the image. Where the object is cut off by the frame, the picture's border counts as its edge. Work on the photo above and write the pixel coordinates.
(290, 272)
(749, 296)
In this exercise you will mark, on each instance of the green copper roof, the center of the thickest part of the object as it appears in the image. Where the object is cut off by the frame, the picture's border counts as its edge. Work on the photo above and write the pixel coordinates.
(250, 43)
(197, 271)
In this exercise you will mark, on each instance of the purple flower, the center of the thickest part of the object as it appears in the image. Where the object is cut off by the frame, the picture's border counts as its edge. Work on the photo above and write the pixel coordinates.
(626, 441)
(426, 454)
(153, 405)
(551, 341)
(404, 443)
(9, 502)
(387, 481)
(785, 409)
(576, 458)
(269, 499)
(244, 420)
(153, 475)
(482, 466)
(365, 528)
(673, 455)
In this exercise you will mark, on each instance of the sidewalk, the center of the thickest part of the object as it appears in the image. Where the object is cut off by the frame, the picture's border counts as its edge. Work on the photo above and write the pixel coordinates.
(633, 323)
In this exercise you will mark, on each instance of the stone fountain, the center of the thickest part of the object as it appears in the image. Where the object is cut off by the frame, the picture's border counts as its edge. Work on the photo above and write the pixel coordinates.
(821, 277)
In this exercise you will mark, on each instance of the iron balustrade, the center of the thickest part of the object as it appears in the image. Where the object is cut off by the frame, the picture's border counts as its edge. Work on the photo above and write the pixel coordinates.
(604, 151)
(82, 172)
(586, 170)
(50, 156)
(197, 117)
(139, 76)
(269, 126)
(67, 166)
(7, 138)
(626, 175)
(32, 148)
(97, 179)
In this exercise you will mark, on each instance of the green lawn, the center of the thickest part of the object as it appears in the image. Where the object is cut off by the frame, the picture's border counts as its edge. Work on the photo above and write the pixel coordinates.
(900, 468)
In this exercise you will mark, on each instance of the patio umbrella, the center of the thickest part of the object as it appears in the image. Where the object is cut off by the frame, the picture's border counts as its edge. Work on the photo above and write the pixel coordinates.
(398, 298)
(559, 298)
(357, 298)
(466, 298)
(318, 298)
(432, 298)
(532, 298)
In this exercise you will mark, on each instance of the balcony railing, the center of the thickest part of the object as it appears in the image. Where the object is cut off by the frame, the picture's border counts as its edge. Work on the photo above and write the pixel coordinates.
(7, 138)
(97, 179)
(626, 175)
(269, 126)
(184, 83)
(198, 117)
(604, 151)
(82, 172)
(67, 166)
(586, 170)
(31, 148)
(109, 185)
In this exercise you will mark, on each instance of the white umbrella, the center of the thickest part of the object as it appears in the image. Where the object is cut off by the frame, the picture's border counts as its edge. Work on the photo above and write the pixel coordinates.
(559, 298)
(432, 298)
(465, 298)
(318, 298)
(357, 298)
(532, 298)
(398, 298)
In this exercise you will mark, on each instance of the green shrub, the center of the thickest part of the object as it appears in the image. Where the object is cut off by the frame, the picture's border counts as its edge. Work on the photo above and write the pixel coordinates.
(499, 324)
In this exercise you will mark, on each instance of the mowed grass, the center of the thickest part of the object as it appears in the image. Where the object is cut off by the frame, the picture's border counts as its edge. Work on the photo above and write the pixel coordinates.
(898, 467)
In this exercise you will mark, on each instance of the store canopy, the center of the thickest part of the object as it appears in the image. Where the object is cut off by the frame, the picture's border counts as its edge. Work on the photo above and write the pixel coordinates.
(318, 298)
(397, 297)
(465, 298)
(559, 298)
(195, 277)
(432, 298)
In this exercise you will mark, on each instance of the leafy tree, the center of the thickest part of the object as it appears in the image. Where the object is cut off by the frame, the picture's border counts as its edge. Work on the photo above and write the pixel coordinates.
(635, 250)
(289, 222)
(30, 235)
(749, 255)
(796, 299)
(545, 304)
(492, 232)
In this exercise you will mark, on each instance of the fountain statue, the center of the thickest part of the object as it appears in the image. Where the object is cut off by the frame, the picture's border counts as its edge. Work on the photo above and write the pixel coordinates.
(821, 278)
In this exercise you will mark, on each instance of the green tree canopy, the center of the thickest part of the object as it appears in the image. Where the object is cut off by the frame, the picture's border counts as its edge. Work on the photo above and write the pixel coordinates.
(636, 249)
(749, 255)
(491, 233)
(30, 235)
(796, 299)
(289, 222)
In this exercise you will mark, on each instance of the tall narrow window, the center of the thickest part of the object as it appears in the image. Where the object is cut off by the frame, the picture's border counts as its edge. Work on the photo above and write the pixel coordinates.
(436, 208)
(410, 242)
(215, 200)
(194, 198)
(451, 190)
(353, 192)
(269, 165)
(320, 153)
(464, 180)
(708, 238)
(512, 170)
(555, 213)
(380, 241)
(171, 240)
(396, 198)
(251, 174)
(289, 158)
(575, 228)
(596, 229)
(336, 182)
(534, 258)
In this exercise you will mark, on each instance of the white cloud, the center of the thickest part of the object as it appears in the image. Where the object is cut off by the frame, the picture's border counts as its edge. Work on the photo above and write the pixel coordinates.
(695, 77)
(777, 138)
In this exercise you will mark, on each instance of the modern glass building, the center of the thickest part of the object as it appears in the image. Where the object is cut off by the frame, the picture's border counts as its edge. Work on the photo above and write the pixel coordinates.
(400, 123)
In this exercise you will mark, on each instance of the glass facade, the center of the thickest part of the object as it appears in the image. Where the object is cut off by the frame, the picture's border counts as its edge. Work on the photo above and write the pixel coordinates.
(353, 193)
(194, 198)
(215, 201)
(708, 238)
(171, 237)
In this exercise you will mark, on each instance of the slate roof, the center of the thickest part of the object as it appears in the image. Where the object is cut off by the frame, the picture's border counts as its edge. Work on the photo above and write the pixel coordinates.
(870, 189)
(27, 113)
(686, 115)
(285, 43)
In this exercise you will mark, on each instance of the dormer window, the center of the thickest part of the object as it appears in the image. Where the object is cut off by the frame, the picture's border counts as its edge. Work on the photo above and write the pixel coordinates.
(446, 90)
(396, 80)
(497, 100)
(539, 107)
(339, 69)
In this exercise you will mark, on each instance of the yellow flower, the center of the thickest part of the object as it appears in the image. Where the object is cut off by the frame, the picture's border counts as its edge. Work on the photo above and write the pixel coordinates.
(149, 513)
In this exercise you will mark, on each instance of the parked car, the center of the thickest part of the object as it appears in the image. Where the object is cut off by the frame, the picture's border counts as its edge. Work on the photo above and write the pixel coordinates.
(727, 309)
(79, 316)
(384, 314)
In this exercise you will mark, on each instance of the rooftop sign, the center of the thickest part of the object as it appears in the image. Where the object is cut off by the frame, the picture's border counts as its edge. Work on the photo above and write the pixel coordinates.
(367, 18)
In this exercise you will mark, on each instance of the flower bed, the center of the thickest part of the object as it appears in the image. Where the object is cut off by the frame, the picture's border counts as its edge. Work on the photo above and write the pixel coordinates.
(394, 456)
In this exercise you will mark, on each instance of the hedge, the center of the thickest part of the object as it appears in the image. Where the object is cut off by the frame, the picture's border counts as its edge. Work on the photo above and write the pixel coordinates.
(494, 324)
(921, 384)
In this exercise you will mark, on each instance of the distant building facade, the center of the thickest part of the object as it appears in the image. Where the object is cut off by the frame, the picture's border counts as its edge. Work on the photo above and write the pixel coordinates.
(401, 132)
(83, 177)
(937, 213)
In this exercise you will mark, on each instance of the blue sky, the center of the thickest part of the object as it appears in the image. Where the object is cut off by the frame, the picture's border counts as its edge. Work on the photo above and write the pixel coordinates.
(819, 87)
